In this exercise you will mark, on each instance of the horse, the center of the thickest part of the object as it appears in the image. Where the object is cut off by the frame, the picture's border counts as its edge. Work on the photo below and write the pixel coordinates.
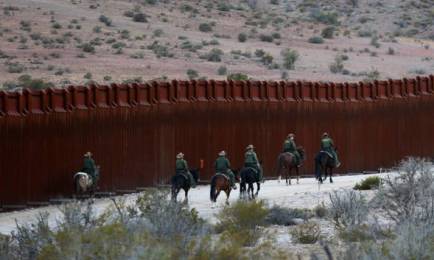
(180, 181)
(285, 164)
(221, 182)
(249, 176)
(83, 182)
(324, 164)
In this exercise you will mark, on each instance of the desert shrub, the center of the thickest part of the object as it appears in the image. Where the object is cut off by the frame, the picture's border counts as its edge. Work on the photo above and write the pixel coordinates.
(391, 51)
(213, 55)
(192, 74)
(371, 75)
(222, 70)
(129, 13)
(241, 221)
(138, 55)
(369, 183)
(242, 37)
(267, 59)
(289, 58)
(320, 210)
(276, 35)
(87, 47)
(15, 67)
(338, 65)
(347, 208)
(328, 32)
(107, 78)
(157, 32)
(88, 75)
(364, 33)
(237, 76)
(316, 40)
(374, 41)
(160, 50)
(205, 27)
(259, 53)
(285, 216)
(284, 75)
(96, 29)
(140, 18)
(105, 20)
(330, 18)
(306, 233)
(266, 38)
(26, 81)
(410, 194)
(223, 7)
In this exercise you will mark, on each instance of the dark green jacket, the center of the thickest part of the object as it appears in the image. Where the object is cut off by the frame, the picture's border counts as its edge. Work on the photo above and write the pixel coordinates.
(181, 165)
(250, 157)
(222, 164)
(89, 165)
(289, 145)
(327, 143)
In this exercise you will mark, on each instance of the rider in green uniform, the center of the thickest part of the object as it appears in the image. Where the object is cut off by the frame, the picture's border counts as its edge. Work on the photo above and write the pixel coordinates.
(182, 168)
(89, 167)
(289, 146)
(222, 165)
(328, 146)
(251, 160)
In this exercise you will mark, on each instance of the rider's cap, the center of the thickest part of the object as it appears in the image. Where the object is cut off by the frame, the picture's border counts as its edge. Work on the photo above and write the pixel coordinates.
(325, 134)
(291, 135)
(250, 146)
(88, 154)
(222, 153)
(179, 156)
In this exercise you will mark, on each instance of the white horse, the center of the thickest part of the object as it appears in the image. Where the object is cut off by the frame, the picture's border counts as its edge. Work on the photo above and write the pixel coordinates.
(83, 182)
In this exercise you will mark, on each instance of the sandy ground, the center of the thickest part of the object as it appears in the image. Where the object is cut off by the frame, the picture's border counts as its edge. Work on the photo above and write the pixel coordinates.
(306, 194)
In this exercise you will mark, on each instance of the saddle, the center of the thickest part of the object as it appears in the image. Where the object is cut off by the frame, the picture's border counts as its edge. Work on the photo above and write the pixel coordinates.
(183, 174)
(222, 174)
(328, 153)
(81, 174)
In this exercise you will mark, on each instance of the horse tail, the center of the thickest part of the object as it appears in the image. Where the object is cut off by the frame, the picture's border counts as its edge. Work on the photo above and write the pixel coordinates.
(317, 166)
(213, 189)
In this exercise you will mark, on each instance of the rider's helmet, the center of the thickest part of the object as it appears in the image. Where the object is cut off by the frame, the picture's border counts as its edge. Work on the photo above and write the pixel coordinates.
(180, 156)
(88, 154)
(290, 135)
(222, 153)
(250, 147)
(325, 134)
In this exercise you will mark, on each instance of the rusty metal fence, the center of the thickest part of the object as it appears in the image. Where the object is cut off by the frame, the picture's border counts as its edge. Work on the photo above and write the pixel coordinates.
(135, 130)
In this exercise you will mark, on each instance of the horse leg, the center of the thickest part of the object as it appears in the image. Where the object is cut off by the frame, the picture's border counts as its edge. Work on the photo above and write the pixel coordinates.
(250, 191)
(289, 175)
(186, 194)
(330, 174)
(258, 187)
(228, 193)
(298, 174)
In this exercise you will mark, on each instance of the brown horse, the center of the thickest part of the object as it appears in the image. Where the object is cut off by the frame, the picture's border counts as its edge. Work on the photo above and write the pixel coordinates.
(286, 163)
(220, 182)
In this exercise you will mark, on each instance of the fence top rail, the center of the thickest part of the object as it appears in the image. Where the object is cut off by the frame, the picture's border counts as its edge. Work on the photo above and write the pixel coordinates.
(153, 93)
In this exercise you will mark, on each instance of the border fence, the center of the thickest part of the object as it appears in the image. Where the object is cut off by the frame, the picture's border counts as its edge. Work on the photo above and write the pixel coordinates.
(135, 130)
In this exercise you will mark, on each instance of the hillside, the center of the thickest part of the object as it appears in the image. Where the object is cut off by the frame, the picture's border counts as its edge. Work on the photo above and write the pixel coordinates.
(80, 41)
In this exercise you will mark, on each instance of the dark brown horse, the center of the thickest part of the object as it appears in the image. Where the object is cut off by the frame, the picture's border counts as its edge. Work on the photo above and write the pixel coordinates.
(324, 165)
(220, 182)
(286, 163)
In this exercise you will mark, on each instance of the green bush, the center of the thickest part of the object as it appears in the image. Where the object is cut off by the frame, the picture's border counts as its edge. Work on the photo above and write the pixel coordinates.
(369, 183)
(205, 27)
(139, 18)
(222, 70)
(192, 74)
(237, 76)
(88, 75)
(242, 37)
(87, 47)
(104, 19)
(266, 38)
(289, 58)
(306, 233)
(15, 68)
(213, 55)
(328, 32)
(316, 40)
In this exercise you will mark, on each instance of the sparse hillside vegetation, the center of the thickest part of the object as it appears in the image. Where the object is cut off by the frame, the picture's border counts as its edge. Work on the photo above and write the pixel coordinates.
(131, 39)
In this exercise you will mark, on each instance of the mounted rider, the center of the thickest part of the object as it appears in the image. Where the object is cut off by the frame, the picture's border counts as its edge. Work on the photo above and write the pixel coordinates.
(90, 168)
(289, 146)
(182, 168)
(328, 146)
(222, 165)
(251, 160)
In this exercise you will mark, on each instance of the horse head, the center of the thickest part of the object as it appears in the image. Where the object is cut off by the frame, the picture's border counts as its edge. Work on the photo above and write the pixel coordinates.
(302, 153)
(195, 174)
